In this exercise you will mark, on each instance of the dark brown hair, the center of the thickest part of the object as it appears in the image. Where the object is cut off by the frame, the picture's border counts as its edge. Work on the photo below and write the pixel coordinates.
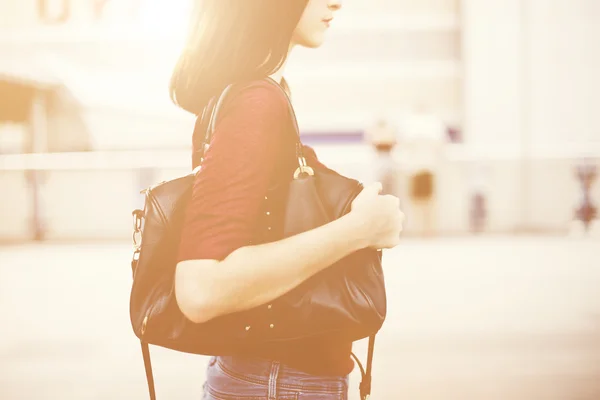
(232, 41)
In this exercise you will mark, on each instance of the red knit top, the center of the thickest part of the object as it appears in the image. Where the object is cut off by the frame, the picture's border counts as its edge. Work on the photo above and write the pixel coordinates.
(252, 149)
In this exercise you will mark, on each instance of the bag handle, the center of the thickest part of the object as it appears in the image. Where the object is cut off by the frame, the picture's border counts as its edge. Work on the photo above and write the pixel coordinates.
(215, 107)
(365, 383)
(148, 368)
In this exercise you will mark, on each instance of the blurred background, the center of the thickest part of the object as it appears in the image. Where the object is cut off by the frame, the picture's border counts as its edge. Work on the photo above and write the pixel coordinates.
(481, 115)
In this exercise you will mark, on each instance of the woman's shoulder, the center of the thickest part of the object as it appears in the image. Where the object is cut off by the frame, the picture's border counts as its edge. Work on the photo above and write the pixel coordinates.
(255, 93)
(251, 103)
(263, 83)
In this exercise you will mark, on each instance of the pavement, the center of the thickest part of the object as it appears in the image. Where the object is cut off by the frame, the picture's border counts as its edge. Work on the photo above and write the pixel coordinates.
(470, 318)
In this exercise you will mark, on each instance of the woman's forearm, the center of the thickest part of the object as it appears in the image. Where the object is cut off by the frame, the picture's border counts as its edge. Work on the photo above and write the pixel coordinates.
(255, 275)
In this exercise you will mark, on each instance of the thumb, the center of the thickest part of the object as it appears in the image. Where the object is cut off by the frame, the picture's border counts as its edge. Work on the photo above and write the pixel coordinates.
(376, 187)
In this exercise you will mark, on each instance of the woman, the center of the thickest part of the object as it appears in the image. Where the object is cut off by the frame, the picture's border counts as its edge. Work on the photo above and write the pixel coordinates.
(230, 259)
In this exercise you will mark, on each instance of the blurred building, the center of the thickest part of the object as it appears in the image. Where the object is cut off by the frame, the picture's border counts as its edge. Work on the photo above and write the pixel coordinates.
(517, 79)
(39, 115)
(102, 56)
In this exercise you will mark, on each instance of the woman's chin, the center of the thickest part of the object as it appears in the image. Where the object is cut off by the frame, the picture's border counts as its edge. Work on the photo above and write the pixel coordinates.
(313, 42)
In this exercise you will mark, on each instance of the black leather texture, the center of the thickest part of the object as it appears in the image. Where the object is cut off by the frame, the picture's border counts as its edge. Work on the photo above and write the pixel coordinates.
(346, 301)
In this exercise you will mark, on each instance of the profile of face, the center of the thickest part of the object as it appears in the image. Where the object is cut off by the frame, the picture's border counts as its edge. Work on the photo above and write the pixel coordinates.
(315, 20)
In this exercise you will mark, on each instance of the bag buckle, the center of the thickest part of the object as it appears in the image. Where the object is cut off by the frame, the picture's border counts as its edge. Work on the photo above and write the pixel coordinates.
(137, 229)
(303, 169)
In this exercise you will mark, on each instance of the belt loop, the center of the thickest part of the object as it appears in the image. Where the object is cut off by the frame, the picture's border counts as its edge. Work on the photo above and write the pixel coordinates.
(272, 395)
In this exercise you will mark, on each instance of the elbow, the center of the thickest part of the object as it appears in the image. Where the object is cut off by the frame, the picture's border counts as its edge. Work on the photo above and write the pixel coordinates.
(195, 311)
(193, 308)
(193, 295)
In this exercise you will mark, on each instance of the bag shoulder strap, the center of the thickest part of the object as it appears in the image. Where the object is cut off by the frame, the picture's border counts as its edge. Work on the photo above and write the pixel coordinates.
(213, 108)
(365, 383)
(148, 368)
(211, 111)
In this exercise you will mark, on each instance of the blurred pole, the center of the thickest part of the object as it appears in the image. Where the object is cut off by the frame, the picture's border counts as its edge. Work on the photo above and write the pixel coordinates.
(387, 170)
(39, 144)
(526, 99)
(480, 178)
(383, 137)
(587, 211)
(492, 82)
(146, 177)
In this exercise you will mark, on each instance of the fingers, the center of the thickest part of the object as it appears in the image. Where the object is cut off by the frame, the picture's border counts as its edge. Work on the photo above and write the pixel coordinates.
(392, 242)
(376, 187)
(393, 202)
(400, 219)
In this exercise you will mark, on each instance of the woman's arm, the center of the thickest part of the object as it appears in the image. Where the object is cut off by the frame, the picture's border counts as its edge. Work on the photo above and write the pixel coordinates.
(220, 270)
(255, 275)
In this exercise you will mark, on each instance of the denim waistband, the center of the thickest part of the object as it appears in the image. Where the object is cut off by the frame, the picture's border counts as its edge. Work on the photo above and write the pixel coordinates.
(261, 372)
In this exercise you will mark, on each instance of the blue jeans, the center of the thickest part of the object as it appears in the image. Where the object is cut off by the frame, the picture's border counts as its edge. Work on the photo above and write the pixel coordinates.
(238, 378)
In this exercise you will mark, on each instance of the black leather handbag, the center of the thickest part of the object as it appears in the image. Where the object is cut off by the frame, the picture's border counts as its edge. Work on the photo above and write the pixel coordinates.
(346, 301)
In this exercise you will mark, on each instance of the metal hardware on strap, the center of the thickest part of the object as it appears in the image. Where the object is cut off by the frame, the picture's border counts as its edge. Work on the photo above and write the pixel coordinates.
(137, 229)
(137, 238)
(134, 262)
(365, 384)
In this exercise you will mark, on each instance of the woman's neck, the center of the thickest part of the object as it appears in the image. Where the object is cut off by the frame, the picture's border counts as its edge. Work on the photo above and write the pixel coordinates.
(277, 76)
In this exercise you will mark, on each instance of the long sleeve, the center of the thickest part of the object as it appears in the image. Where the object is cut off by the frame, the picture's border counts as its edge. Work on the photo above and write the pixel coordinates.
(229, 189)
